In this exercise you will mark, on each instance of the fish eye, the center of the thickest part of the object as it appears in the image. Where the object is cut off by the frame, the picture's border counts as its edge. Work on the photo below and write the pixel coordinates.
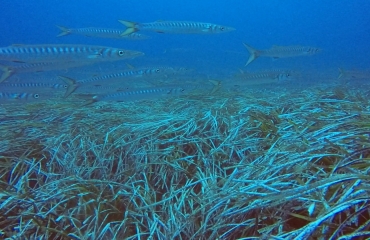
(222, 28)
(157, 70)
(36, 96)
(121, 53)
(65, 86)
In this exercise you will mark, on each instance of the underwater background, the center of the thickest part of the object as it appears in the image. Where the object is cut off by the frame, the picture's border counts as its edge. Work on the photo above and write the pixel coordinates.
(208, 148)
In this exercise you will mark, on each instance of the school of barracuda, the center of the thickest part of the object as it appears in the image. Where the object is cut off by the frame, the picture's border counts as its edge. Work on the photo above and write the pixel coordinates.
(18, 58)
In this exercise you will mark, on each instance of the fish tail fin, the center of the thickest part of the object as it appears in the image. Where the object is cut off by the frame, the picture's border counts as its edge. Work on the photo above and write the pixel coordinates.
(130, 27)
(63, 31)
(7, 72)
(341, 72)
(71, 85)
(253, 54)
(216, 85)
(93, 100)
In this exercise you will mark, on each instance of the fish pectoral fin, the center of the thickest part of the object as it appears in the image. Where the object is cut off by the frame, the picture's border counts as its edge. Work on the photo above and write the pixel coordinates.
(18, 61)
(129, 66)
(159, 31)
(96, 55)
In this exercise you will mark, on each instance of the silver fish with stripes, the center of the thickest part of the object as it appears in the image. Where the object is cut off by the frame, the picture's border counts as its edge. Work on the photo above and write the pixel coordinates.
(15, 96)
(101, 33)
(183, 27)
(28, 85)
(73, 84)
(139, 94)
(263, 77)
(9, 70)
(280, 52)
(64, 52)
(352, 74)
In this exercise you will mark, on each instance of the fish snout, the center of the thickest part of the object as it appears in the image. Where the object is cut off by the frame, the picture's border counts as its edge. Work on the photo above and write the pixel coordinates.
(129, 53)
(226, 29)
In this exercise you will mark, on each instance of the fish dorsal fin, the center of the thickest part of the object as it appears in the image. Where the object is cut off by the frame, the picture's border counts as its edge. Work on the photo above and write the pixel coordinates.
(95, 55)
(17, 45)
(159, 20)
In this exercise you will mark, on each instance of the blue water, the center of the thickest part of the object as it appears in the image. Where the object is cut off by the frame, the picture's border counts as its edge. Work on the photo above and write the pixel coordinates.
(341, 28)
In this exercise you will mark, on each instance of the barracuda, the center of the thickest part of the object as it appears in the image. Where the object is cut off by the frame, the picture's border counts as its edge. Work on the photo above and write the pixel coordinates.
(351, 74)
(138, 94)
(175, 27)
(63, 53)
(280, 52)
(33, 85)
(73, 84)
(101, 33)
(38, 67)
(18, 96)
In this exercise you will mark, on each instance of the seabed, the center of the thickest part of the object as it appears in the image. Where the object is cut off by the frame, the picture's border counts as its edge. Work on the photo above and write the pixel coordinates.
(265, 163)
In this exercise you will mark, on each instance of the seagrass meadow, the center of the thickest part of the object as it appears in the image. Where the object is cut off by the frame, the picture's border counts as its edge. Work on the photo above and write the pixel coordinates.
(263, 163)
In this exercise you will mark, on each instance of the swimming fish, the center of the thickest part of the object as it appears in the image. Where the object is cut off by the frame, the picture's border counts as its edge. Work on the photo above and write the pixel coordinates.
(73, 84)
(4, 96)
(183, 27)
(63, 53)
(348, 74)
(9, 70)
(280, 52)
(138, 94)
(101, 33)
(33, 85)
(216, 85)
(264, 76)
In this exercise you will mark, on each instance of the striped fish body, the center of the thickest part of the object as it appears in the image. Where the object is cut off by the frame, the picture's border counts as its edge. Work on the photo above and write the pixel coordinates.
(350, 74)
(9, 70)
(16, 96)
(28, 85)
(63, 53)
(128, 74)
(139, 94)
(269, 77)
(182, 27)
(101, 33)
(262, 76)
(280, 52)
(73, 85)
(288, 51)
